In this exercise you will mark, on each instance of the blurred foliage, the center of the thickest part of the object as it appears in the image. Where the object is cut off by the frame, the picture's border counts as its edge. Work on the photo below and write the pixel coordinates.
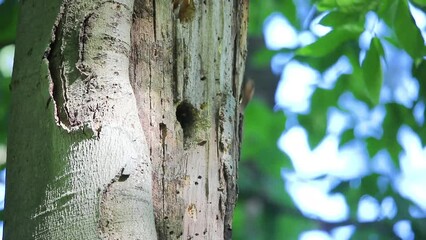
(8, 20)
(4, 103)
(265, 210)
(260, 9)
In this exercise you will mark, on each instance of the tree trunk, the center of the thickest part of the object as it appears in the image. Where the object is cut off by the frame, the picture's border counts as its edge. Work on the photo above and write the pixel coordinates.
(125, 120)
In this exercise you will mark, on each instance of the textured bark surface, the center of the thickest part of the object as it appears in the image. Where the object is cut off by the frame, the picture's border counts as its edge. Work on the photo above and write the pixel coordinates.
(188, 70)
(125, 119)
(78, 161)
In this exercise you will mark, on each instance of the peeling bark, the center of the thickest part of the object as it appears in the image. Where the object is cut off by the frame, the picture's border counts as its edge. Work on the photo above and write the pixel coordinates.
(88, 172)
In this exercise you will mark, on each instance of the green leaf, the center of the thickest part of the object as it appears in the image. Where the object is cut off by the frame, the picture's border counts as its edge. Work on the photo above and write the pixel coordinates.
(373, 146)
(396, 116)
(261, 58)
(406, 30)
(369, 186)
(262, 128)
(386, 11)
(330, 42)
(357, 6)
(403, 205)
(346, 137)
(419, 72)
(418, 228)
(373, 233)
(323, 63)
(387, 142)
(336, 19)
(8, 22)
(315, 122)
(372, 71)
(421, 3)
(259, 10)
(324, 5)
(291, 226)
(4, 107)
(347, 6)
(355, 83)
(341, 187)
(352, 194)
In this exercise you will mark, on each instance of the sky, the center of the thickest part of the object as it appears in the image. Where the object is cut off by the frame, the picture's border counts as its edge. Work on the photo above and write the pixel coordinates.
(297, 83)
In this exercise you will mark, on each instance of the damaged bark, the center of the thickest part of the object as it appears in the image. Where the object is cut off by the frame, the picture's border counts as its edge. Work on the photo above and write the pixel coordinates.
(129, 116)
(188, 72)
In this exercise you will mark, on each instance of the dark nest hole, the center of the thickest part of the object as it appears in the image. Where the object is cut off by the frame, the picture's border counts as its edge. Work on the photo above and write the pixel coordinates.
(186, 114)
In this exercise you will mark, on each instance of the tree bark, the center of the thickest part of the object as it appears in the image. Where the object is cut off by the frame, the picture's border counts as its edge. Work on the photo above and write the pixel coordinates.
(125, 120)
